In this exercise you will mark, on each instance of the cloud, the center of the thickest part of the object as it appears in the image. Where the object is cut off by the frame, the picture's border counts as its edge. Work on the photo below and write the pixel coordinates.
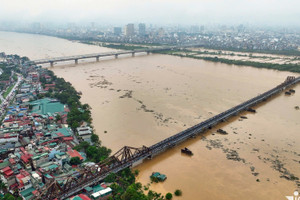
(153, 11)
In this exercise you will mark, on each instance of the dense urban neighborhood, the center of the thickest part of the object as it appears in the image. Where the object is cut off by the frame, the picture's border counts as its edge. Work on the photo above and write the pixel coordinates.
(225, 37)
(46, 134)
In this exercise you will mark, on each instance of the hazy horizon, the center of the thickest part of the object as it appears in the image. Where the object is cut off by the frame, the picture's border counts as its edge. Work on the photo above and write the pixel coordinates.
(188, 12)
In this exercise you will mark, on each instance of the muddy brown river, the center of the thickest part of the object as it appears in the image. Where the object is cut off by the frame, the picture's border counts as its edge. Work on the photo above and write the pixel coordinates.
(142, 100)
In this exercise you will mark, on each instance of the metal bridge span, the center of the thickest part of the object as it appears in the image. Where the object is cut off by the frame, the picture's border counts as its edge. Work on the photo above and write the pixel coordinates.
(105, 54)
(129, 156)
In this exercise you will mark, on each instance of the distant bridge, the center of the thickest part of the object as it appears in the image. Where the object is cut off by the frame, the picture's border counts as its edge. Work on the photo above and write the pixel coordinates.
(130, 156)
(105, 54)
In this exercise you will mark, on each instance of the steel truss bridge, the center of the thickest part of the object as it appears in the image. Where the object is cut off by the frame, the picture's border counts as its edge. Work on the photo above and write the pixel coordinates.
(106, 54)
(130, 156)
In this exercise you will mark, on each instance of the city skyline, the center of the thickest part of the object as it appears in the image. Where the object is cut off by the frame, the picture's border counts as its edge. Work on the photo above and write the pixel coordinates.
(156, 12)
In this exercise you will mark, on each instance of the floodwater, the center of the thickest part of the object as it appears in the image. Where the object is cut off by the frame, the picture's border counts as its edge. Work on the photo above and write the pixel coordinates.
(142, 100)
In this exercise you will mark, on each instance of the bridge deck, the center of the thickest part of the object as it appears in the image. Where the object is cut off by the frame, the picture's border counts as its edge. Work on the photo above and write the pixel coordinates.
(95, 55)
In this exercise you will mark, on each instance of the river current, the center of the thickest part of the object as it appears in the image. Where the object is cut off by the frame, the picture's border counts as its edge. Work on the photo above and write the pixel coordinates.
(142, 100)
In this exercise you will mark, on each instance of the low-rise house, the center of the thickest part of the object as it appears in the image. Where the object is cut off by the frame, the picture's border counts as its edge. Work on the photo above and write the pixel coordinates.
(85, 130)
(79, 197)
(73, 153)
(8, 175)
(39, 159)
(25, 88)
(23, 180)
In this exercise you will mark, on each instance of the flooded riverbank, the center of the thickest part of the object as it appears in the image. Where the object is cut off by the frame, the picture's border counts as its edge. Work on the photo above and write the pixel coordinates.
(142, 100)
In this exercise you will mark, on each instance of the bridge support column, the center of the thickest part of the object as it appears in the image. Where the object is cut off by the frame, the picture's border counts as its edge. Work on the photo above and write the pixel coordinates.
(97, 58)
(76, 61)
(148, 52)
(133, 54)
(116, 55)
(51, 64)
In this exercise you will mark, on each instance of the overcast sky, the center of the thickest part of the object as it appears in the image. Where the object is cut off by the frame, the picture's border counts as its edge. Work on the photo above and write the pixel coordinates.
(272, 12)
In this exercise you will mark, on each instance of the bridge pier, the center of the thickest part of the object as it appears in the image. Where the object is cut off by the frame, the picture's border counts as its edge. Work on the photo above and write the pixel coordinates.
(148, 52)
(97, 58)
(133, 54)
(76, 61)
(51, 63)
(116, 55)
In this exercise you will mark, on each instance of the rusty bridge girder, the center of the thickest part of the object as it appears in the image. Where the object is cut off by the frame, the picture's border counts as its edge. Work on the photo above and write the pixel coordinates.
(53, 189)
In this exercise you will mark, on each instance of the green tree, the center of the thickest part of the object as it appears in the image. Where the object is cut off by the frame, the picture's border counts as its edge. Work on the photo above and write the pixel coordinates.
(178, 192)
(169, 196)
(95, 138)
(57, 118)
(75, 161)
(134, 192)
(82, 146)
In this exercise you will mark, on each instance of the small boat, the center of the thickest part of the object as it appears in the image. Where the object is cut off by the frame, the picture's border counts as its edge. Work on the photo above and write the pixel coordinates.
(186, 151)
(292, 91)
(251, 110)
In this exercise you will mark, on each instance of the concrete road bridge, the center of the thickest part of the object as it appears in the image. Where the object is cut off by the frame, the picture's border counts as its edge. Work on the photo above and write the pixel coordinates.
(114, 54)
(130, 156)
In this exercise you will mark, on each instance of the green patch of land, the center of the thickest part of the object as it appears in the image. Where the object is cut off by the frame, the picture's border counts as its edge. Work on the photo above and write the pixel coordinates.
(277, 52)
(8, 90)
(280, 67)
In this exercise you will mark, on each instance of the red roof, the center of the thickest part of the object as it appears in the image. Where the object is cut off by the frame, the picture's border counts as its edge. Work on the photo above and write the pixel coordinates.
(25, 157)
(55, 140)
(13, 186)
(84, 197)
(24, 172)
(23, 150)
(73, 153)
(60, 134)
(68, 138)
(34, 192)
(7, 171)
(12, 161)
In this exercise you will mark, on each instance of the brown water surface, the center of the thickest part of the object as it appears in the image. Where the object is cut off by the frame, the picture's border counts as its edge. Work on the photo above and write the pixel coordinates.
(142, 100)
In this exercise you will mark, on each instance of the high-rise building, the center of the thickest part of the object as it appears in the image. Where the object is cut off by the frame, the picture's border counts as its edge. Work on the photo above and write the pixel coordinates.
(117, 30)
(129, 30)
(202, 28)
(142, 29)
(161, 32)
(195, 29)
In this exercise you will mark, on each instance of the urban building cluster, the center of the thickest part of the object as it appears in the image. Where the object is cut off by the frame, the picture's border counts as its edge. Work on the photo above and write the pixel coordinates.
(36, 143)
(211, 36)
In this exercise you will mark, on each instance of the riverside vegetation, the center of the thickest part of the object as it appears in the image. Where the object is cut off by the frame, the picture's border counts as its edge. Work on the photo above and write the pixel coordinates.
(183, 53)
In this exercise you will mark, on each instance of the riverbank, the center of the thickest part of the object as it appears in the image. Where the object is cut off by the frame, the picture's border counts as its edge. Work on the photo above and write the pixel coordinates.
(260, 59)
